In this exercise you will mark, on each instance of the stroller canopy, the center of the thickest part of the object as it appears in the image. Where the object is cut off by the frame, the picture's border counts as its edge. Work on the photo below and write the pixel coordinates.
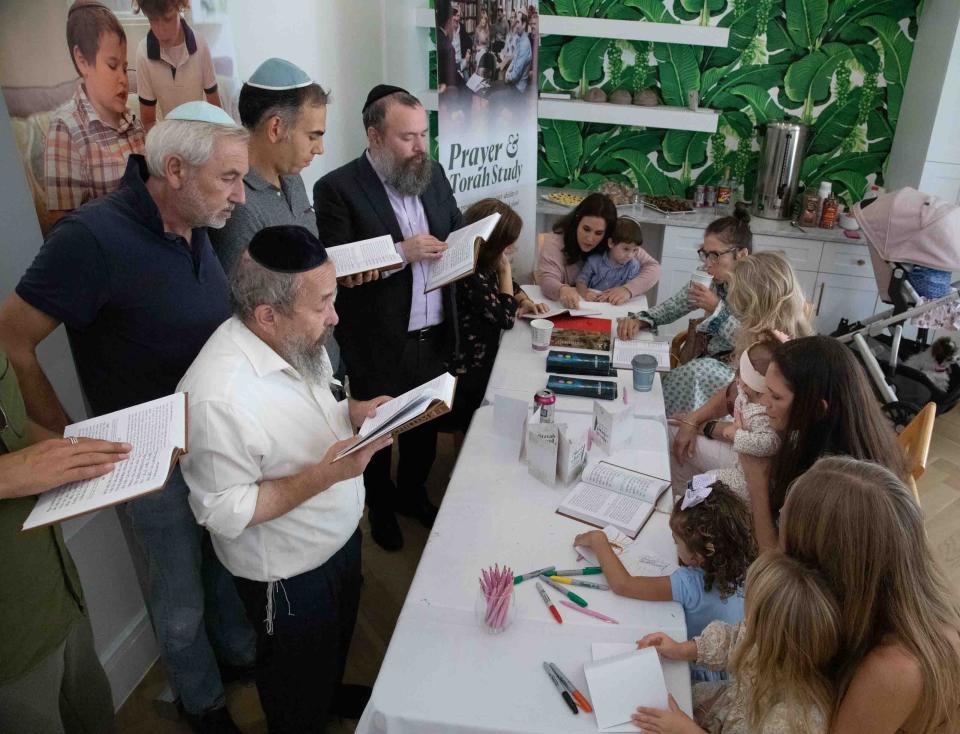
(910, 227)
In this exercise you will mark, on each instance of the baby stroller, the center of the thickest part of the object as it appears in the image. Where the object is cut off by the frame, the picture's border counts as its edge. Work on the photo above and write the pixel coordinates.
(914, 241)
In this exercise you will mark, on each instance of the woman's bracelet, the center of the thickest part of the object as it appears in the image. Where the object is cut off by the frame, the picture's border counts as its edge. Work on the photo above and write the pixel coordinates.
(689, 423)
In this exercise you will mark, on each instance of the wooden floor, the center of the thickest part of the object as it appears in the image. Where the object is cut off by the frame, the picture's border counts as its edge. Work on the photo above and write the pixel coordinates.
(388, 575)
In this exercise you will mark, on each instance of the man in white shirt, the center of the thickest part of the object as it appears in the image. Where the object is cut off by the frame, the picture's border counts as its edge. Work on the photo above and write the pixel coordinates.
(283, 515)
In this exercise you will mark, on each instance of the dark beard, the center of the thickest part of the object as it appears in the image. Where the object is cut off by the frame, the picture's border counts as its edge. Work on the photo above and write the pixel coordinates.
(410, 177)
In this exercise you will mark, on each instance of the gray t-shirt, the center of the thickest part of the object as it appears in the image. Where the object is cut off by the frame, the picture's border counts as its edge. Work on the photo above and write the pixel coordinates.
(266, 206)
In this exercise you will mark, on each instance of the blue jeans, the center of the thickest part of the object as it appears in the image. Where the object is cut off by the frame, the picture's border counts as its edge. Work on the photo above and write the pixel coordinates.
(196, 613)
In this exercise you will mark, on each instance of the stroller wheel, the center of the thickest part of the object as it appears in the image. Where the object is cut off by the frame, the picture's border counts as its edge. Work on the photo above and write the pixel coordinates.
(900, 414)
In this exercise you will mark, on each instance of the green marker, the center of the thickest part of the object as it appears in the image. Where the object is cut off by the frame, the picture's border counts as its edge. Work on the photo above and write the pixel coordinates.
(588, 571)
(560, 590)
(533, 574)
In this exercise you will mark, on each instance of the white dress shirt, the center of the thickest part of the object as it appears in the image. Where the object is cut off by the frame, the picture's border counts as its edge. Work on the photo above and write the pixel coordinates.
(253, 418)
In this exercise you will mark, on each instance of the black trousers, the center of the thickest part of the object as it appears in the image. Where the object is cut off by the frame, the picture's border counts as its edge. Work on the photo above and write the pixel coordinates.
(422, 360)
(300, 665)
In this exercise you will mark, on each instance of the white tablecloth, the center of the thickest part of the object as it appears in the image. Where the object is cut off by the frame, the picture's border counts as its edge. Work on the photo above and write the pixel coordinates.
(442, 672)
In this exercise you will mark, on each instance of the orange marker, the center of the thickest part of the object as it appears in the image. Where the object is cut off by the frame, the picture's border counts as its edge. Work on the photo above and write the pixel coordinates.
(577, 696)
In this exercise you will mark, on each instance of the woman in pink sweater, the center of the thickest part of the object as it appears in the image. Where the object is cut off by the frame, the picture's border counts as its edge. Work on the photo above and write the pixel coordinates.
(586, 230)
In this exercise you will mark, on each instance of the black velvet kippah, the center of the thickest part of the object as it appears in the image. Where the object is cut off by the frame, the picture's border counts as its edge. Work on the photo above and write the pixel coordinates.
(379, 92)
(287, 249)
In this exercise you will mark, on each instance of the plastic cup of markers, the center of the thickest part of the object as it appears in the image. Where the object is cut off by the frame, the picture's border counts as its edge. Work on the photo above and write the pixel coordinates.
(542, 329)
(644, 368)
(496, 614)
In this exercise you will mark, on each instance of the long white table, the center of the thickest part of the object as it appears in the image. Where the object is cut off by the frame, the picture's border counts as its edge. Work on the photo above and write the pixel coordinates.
(442, 672)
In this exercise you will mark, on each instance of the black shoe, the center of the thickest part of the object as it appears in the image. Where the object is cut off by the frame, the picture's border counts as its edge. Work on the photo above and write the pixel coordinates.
(385, 529)
(420, 508)
(350, 700)
(215, 721)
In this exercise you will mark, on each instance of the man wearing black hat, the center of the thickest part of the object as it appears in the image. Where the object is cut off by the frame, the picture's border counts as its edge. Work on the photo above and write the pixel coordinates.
(393, 335)
(283, 515)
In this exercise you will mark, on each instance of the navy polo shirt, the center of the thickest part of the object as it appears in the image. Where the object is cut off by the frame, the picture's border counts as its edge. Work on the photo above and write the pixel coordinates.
(138, 303)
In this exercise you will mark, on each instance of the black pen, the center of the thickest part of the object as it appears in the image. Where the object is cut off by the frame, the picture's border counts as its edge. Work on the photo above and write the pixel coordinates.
(567, 698)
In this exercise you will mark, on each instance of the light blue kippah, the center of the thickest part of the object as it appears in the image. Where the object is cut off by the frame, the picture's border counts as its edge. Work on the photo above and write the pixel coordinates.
(198, 111)
(277, 75)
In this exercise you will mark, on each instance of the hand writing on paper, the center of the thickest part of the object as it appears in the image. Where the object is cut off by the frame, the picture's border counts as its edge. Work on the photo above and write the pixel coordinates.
(668, 648)
(665, 721)
(615, 296)
(592, 540)
(422, 247)
(629, 328)
(57, 461)
(363, 409)
(349, 281)
(569, 298)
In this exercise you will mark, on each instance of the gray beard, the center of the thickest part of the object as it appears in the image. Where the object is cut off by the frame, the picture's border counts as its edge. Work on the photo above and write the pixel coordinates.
(410, 177)
(309, 359)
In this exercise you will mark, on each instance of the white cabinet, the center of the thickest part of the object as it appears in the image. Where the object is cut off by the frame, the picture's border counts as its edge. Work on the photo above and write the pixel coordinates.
(682, 243)
(802, 254)
(842, 296)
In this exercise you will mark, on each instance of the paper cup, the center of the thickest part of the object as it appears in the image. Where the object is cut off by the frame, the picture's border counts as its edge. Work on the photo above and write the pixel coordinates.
(644, 368)
(700, 278)
(541, 334)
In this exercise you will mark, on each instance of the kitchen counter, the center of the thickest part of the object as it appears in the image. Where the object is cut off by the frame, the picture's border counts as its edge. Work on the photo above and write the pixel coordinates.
(700, 219)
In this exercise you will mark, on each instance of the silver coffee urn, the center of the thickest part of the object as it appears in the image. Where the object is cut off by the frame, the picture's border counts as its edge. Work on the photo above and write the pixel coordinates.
(781, 155)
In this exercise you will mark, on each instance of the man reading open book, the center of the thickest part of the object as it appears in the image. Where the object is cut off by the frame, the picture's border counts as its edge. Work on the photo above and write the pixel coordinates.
(264, 430)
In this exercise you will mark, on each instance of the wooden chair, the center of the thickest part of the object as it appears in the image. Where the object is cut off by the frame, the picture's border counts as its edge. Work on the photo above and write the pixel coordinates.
(915, 442)
(676, 346)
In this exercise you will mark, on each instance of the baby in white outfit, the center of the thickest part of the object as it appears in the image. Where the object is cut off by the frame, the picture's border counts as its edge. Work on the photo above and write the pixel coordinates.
(750, 432)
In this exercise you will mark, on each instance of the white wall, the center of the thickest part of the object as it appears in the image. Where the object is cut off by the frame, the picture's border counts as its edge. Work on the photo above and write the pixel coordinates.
(337, 42)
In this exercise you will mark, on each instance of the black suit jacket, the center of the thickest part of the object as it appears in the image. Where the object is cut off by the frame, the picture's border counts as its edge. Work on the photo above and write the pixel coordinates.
(351, 205)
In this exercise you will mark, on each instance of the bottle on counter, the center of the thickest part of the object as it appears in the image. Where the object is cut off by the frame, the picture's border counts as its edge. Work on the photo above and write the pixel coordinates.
(808, 208)
(724, 190)
(828, 215)
(826, 188)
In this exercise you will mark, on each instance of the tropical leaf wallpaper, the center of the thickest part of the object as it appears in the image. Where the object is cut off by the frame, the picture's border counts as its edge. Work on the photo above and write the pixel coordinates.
(837, 65)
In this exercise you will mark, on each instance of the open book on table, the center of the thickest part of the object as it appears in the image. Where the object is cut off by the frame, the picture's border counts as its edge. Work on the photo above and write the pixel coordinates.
(157, 430)
(626, 350)
(608, 494)
(460, 257)
(536, 295)
(424, 403)
(376, 253)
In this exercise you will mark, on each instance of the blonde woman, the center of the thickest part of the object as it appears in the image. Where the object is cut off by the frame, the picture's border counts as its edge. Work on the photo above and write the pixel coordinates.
(481, 36)
(780, 657)
(899, 665)
(766, 296)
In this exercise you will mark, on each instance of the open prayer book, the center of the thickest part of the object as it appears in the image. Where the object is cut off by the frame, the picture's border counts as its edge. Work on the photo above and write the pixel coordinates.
(157, 431)
(536, 295)
(460, 258)
(608, 494)
(376, 253)
(624, 351)
(424, 403)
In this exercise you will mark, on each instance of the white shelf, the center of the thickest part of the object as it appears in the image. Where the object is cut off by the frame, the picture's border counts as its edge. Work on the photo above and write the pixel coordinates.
(428, 97)
(671, 118)
(426, 17)
(634, 30)
(628, 30)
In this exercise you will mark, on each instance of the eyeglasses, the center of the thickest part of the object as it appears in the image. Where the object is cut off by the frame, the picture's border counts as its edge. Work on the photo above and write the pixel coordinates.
(713, 256)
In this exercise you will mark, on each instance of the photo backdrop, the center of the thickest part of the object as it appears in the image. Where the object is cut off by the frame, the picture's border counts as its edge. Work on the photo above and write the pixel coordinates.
(837, 65)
